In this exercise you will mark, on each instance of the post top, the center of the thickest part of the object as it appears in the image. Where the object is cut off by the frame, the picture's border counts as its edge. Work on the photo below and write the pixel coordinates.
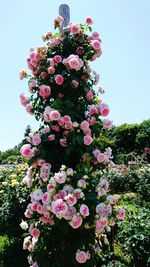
(64, 11)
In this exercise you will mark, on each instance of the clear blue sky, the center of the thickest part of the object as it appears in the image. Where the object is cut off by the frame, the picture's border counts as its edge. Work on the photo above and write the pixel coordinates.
(124, 67)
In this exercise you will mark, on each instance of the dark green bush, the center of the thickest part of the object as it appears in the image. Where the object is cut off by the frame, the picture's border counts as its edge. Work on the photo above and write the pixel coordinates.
(135, 234)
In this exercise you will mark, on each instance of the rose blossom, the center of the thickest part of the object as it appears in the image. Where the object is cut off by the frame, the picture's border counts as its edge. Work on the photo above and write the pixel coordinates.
(71, 200)
(84, 210)
(95, 44)
(103, 209)
(54, 115)
(37, 194)
(93, 110)
(121, 214)
(24, 225)
(101, 224)
(81, 256)
(29, 109)
(43, 75)
(46, 198)
(88, 140)
(75, 83)
(76, 221)
(89, 21)
(81, 183)
(104, 109)
(107, 124)
(63, 142)
(26, 151)
(59, 79)
(59, 207)
(58, 58)
(51, 70)
(24, 100)
(74, 28)
(51, 137)
(101, 157)
(66, 119)
(89, 95)
(111, 199)
(84, 125)
(36, 139)
(60, 177)
(35, 233)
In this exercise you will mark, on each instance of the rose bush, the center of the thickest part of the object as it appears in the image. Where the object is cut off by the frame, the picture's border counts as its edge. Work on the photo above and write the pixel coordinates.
(70, 210)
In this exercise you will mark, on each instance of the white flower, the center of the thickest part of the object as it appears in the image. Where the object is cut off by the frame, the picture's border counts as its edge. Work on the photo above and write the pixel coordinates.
(24, 225)
(69, 172)
(37, 194)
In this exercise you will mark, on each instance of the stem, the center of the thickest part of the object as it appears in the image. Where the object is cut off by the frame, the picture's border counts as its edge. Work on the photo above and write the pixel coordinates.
(112, 245)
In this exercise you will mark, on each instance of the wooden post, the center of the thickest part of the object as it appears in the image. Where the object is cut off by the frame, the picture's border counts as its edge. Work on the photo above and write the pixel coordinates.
(64, 11)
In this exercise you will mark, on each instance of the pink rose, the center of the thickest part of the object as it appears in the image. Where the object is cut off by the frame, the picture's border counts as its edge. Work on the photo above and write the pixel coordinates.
(81, 256)
(93, 110)
(89, 21)
(95, 35)
(84, 125)
(52, 62)
(101, 157)
(74, 83)
(29, 109)
(92, 121)
(51, 137)
(58, 58)
(44, 91)
(43, 75)
(76, 221)
(121, 214)
(51, 70)
(59, 207)
(100, 224)
(46, 198)
(71, 200)
(74, 63)
(24, 100)
(31, 85)
(88, 140)
(54, 115)
(74, 28)
(59, 79)
(95, 44)
(97, 78)
(36, 139)
(66, 119)
(84, 210)
(26, 151)
(61, 122)
(63, 142)
(107, 124)
(35, 233)
(55, 128)
(89, 95)
(104, 110)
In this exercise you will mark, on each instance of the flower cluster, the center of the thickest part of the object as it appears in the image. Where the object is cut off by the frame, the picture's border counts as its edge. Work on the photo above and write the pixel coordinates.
(68, 205)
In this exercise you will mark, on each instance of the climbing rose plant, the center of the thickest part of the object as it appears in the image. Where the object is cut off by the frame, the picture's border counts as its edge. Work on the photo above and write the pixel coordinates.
(70, 209)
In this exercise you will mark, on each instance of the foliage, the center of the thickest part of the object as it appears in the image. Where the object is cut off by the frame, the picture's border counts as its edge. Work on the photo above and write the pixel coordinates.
(130, 179)
(9, 248)
(135, 233)
(13, 200)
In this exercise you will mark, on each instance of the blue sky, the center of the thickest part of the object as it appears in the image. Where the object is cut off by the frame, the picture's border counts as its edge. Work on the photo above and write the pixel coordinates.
(124, 66)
